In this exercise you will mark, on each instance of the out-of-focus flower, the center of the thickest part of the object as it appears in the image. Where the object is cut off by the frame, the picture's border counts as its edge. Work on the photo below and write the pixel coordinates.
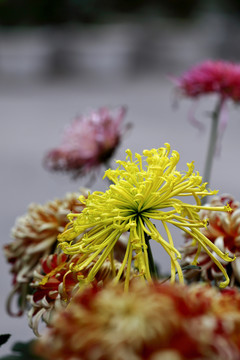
(54, 285)
(212, 77)
(219, 77)
(223, 230)
(136, 196)
(35, 236)
(88, 142)
(151, 321)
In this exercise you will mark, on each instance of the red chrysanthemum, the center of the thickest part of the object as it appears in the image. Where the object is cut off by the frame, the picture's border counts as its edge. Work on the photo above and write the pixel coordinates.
(212, 77)
(219, 77)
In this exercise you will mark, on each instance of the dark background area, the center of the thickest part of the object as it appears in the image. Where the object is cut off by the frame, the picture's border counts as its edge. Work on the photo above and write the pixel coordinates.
(58, 12)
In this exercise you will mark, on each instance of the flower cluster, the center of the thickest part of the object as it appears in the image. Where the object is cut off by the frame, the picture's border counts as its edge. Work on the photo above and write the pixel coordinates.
(144, 189)
(83, 265)
(75, 285)
(223, 230)
(88, 142)
(151, 321)
(35, 236)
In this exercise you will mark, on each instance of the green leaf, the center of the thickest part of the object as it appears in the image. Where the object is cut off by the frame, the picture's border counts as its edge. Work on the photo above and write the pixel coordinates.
(22, 351)
(4, 338)
(189, 267)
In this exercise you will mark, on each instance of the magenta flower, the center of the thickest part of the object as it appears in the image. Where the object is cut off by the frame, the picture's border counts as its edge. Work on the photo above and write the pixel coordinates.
(88, 142)
(212, 77)
(218, 77)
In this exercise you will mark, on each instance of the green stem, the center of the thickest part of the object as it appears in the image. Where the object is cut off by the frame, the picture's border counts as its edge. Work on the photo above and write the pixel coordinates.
(152, 266)
(212, 142)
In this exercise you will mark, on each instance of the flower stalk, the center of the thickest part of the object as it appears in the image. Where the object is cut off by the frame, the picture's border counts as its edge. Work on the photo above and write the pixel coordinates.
(212, 140)
(152, 266)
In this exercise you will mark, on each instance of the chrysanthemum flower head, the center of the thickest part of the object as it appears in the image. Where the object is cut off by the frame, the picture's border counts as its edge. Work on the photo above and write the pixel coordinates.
(88, 142)
(223, 230)
(216, 77)
(212, 77)
(145, 190)
(150, 321)
(54, 285)
(35, 236)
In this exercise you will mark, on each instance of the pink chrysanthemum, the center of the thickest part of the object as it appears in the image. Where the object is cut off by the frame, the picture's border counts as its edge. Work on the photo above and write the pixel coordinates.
(219, 77)
(88, 142)
(224, 231)
(54, 284)
(149, 322)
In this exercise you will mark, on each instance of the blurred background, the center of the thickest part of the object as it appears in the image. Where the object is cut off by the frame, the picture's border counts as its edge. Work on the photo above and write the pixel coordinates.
(61, 58)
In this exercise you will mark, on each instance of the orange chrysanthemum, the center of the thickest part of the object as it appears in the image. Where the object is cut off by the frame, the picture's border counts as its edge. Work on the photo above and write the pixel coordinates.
(149, 322)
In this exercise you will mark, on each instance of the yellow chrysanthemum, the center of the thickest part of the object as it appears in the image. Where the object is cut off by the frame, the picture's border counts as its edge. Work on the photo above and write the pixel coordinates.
(138, 195)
